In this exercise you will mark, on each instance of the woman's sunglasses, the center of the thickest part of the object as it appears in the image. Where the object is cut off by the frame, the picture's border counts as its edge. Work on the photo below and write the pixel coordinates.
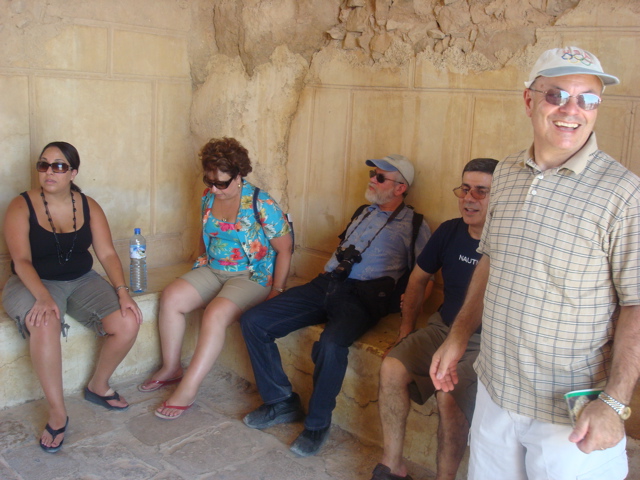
(219, 185)
(558, 97)
(380, 178)
(56, 167)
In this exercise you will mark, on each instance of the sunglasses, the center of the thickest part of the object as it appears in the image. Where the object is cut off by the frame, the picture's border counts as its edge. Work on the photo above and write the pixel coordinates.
(56, 167)
(558, 97)
(380, 178)
(477, 193)
(219, 185)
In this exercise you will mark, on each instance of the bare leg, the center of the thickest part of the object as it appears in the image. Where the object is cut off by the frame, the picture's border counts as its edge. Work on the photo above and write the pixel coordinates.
(178, 299)
(121, 335)
(394, 404)
(453, 431)
(218, 315)
(46, 358)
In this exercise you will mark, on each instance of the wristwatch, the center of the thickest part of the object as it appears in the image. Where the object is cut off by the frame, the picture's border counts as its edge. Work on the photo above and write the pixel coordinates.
(620, 408)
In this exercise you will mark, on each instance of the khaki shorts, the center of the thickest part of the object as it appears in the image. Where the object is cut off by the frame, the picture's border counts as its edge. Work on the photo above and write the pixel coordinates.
(416, 350)
(88, 299)
(234, 286)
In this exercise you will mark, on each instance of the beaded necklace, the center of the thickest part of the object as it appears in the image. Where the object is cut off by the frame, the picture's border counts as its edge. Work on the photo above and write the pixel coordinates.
(62, 257)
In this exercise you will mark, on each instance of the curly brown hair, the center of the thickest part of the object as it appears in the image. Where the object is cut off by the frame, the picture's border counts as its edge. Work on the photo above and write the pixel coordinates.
(226, 155)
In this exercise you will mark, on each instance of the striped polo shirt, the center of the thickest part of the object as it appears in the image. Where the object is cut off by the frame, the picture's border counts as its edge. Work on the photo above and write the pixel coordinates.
(564, 248)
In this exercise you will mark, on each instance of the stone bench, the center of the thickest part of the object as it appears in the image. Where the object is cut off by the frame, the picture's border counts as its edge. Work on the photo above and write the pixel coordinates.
(356, 410)
(357, 403)
(80, 348)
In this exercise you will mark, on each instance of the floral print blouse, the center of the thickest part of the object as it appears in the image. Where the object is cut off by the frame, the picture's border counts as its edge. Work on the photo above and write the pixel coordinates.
(244, 245)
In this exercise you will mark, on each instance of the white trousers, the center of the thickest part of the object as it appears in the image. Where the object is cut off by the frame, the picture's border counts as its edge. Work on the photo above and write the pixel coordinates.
(508, 446)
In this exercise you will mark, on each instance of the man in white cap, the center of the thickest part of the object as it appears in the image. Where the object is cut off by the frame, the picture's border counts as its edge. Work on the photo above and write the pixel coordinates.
(556, 291)
(350, 296)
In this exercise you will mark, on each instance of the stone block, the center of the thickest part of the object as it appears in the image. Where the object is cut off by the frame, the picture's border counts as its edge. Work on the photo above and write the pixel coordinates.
(494, 112)
(177, 186)
(322, 221)
(77, 48)
(472, 72)
(17, 168)
(332, 66)
(615, 124)
(161, 14)
(631, 158)
(103, 119)
(154, 55)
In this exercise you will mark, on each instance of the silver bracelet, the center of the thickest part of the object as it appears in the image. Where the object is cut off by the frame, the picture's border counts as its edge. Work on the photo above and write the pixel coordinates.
(121, 286)
(281, 290)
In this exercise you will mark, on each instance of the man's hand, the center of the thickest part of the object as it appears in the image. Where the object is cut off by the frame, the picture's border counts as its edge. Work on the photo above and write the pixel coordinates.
(443, 370)
(598, 427)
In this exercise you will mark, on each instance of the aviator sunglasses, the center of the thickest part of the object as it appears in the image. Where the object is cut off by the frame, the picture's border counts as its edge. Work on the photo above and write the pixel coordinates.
(219, 185)
(56, 167)
(558, 97)
(477, 193)
(380, 178)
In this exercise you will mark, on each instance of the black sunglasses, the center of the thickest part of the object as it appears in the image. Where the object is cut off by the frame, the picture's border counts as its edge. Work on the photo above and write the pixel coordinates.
(219, 185)
(56, 167)
(558, 97)
(477, 193)
(380, 178)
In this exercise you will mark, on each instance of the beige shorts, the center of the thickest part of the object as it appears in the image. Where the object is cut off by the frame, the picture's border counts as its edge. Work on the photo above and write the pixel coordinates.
(234, 286)
(415, 352)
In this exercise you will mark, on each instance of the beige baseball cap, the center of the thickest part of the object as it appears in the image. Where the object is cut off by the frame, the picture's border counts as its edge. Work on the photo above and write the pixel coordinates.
(558, 62)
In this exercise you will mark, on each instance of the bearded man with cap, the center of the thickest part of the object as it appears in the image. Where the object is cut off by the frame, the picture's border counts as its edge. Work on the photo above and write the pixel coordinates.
(350, 296)
(556, 290)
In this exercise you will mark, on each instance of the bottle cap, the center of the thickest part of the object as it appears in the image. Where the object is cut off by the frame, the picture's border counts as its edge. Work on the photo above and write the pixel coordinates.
(136, 231)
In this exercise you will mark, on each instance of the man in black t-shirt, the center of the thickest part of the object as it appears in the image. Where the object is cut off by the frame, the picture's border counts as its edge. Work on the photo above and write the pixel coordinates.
(404, 374)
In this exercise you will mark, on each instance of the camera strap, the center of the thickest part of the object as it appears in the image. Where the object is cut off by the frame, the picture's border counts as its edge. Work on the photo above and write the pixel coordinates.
(389, 220)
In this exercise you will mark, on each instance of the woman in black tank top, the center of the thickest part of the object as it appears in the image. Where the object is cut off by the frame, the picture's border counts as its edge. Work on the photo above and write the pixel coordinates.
(48, 231)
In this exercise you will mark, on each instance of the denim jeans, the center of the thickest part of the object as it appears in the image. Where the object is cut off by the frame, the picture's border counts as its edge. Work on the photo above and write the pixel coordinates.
(321, 300)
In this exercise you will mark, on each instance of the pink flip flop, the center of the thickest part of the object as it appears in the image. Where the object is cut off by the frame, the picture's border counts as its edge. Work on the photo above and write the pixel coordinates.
(177, 407)
(157, 384)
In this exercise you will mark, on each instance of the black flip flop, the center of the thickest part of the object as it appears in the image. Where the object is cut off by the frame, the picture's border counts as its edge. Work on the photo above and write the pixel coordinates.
(54, 434)
(103, 401)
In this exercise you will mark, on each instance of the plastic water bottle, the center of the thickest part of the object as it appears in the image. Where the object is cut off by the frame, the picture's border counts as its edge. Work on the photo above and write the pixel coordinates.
(138, 265)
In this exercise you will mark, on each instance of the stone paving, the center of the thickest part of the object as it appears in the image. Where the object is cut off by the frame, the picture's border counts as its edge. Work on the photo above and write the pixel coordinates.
(208, 442)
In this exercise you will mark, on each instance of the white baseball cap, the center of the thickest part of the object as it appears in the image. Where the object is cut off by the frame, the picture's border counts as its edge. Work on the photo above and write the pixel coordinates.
(558, 62)
(393, 163)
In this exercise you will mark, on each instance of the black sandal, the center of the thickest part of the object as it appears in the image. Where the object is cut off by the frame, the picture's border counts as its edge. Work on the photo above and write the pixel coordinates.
(103, 400)
(54, 434)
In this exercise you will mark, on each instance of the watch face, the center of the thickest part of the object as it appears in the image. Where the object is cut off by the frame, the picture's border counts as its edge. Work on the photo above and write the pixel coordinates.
(626, 413)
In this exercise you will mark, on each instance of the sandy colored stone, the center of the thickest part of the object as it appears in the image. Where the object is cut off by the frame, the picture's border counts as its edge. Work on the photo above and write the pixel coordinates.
(14, 142)
(150, 54)
(78, 48)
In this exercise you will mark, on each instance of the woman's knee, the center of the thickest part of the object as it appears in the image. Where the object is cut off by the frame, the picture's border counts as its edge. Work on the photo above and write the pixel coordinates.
(51, 327)
(125, 327)
(178, 296)
(220, 317)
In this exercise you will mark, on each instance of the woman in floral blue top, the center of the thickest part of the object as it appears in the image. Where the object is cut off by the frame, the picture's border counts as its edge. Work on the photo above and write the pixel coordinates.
(243, 263)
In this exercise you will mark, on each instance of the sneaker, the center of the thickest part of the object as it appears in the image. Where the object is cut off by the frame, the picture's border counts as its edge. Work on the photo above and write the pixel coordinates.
(309, 442)
(382, 472)
(285, 411)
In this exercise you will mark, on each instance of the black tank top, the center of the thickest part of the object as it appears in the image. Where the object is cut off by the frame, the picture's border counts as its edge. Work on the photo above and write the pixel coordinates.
(44, 254)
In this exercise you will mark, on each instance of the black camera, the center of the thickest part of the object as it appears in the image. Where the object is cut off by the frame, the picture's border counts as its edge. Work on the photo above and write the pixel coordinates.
(347, 257)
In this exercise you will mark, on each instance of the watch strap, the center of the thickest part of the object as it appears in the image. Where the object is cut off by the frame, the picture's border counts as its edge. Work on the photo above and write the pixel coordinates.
(616, 405)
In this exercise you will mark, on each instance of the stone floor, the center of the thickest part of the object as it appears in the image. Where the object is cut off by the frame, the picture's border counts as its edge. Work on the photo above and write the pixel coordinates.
(208, 442)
